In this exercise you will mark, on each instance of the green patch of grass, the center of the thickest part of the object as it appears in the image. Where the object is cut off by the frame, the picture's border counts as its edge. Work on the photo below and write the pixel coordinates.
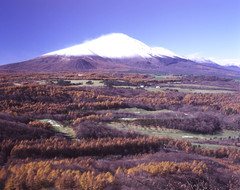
(134, 87)
(127, 119)
(41, 82)
(96, 83)
(142, 111)
(160, 77)
(16, 84)
(151, 131)
(211, 91)
(172, 133)
(188, 90)
(60, 128)
(198, 86)
(211, 146)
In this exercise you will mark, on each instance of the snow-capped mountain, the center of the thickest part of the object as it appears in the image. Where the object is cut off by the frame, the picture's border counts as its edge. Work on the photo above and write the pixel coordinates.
(201, 59)
(116, 45)
(118, 53)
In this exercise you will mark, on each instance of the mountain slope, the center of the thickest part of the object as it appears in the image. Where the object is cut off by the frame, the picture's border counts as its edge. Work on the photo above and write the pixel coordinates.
(118, 53)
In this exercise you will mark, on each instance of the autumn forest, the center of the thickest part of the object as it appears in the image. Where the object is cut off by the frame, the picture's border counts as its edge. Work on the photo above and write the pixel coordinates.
(119, 131)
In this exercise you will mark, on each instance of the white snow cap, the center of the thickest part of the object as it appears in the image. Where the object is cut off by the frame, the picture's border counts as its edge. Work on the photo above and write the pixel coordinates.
(224, 62)
(115, 45)
(160, 51)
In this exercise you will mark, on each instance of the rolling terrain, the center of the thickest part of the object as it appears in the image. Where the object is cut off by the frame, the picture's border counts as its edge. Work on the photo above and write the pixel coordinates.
(119, 131)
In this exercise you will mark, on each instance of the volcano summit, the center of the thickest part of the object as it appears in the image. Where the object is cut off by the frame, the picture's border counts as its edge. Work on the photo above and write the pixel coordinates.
(117, 52)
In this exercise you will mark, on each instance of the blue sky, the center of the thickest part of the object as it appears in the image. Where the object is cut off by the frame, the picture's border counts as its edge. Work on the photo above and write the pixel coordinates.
(204, 28)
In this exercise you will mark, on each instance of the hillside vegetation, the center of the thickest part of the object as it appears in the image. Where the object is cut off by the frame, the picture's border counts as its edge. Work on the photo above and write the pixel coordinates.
(119, 131)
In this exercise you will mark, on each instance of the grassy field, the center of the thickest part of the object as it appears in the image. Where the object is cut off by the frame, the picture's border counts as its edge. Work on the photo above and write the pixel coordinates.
(67, 131)
(172, 133)
(196, 86)
(212, 146)
(127, 119)
(96, 83)
(141, 111)
(177, 86)
(189, 90)
(127, 124)
(126, 87)
(41, 82)
(159, 77)
(137, 111)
